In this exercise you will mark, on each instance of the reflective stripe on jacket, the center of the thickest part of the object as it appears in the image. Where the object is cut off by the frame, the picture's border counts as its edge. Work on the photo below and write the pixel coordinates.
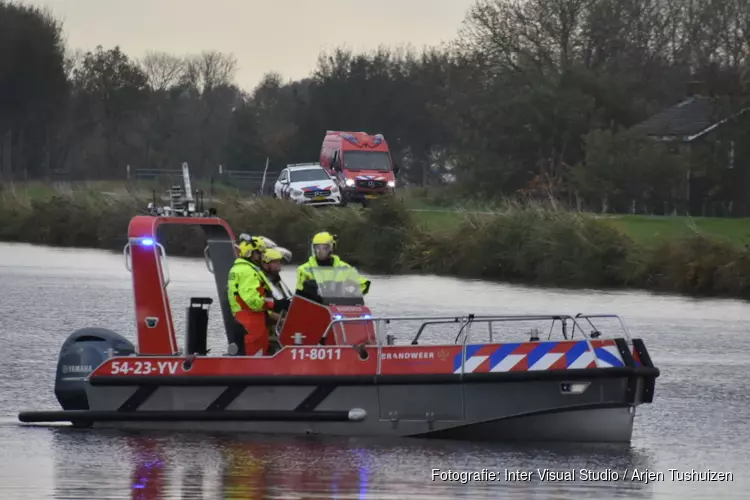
(304, 272)
(246, 287)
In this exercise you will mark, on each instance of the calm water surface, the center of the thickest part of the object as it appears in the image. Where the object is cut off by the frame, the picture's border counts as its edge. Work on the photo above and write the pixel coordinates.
(699, 419)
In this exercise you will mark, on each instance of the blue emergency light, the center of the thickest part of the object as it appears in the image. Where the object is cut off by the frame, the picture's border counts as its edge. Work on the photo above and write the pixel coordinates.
(367, 316)
(147, 242)
(351, 138)
(337, 316)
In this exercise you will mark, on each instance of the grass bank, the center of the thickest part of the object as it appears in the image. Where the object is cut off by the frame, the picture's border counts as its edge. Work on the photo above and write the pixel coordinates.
(439, 210)
(521, 243)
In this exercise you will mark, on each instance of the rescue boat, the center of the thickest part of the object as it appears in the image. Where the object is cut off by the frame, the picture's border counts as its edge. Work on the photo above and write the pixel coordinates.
(341, 370)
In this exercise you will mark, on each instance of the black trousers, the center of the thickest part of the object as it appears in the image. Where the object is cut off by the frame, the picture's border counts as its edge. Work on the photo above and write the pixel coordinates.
(236, 336)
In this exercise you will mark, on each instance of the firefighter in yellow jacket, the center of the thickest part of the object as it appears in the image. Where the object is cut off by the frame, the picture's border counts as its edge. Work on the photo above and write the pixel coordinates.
(278, 290)
(249, 298)
(323, 248)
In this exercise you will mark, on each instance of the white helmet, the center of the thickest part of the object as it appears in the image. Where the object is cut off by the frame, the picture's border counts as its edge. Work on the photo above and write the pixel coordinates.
(272, 244)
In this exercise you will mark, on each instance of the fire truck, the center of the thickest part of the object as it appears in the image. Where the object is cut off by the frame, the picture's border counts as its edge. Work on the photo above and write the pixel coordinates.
(361, 164)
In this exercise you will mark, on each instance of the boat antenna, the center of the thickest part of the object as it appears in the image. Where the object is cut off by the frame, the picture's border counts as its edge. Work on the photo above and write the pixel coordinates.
(199, 200)
(183, 201)
(189, 206)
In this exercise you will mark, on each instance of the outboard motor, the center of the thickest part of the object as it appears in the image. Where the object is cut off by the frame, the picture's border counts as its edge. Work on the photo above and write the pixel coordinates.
(81, 353)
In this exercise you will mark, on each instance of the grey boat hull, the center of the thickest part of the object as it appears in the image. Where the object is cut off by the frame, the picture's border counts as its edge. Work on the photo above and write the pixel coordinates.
(493, 407)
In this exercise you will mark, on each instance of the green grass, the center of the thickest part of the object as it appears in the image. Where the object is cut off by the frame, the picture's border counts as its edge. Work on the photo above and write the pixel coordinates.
(39, 190)
(644, 230)
(647, 230)
(437, 221)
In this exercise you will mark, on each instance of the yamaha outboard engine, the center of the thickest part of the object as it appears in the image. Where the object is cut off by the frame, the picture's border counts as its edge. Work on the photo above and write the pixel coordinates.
(81, 353)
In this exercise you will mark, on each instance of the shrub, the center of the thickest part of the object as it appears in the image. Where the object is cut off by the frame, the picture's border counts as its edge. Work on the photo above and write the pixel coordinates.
(533, 244)
(698, 265)
(523, 243)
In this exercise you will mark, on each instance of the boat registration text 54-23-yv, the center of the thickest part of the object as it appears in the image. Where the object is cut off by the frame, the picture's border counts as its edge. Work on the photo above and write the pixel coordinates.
(144, 367)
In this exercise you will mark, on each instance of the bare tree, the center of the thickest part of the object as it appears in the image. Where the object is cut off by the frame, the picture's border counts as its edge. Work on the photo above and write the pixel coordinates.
(209, 70)
(163, 70)
(73, 60)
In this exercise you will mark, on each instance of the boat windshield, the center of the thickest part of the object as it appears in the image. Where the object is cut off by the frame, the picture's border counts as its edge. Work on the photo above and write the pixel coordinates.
(338, 285)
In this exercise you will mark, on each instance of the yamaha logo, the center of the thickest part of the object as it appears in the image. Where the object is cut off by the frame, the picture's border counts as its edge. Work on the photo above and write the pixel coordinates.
(371, 184)
(77, 368)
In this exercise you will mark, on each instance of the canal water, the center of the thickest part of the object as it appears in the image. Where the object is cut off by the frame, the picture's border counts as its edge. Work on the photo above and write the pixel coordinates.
(699, 420)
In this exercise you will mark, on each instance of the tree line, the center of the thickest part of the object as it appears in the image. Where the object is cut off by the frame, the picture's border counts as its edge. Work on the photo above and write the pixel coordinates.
(533, 97)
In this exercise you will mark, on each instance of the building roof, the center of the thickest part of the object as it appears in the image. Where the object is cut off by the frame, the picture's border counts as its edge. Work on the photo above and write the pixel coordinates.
(690, 118)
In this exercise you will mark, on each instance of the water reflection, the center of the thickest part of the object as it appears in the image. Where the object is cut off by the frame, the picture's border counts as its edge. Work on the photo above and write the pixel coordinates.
(192, 482)
(245, 472)
(147, 481)
(150, 466)
(258, 467)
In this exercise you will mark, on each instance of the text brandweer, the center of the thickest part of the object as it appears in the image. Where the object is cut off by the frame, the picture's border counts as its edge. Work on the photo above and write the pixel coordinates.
(408, 355)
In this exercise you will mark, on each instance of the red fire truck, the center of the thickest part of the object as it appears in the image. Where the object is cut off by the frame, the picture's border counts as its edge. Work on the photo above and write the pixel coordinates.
(360, 163)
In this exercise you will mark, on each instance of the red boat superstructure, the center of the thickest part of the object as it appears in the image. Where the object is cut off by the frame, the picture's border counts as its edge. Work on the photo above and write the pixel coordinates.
(340, 370)
(146, 259)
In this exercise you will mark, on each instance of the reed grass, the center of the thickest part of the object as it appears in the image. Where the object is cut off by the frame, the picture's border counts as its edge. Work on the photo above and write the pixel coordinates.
(525, 242)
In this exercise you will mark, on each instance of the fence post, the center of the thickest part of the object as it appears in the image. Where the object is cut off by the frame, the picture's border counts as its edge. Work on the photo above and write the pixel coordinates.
(263, 181)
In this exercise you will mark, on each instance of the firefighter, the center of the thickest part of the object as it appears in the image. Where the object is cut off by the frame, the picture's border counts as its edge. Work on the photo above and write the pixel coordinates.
(272, 258)
(281, 295)
(249, 297)
(323, 248)
(269, 243)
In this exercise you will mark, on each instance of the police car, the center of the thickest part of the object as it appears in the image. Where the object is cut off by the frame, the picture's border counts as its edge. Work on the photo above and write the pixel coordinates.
(307, 183)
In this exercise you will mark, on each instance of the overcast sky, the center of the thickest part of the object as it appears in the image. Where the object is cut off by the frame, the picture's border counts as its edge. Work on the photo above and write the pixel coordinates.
(265, 35)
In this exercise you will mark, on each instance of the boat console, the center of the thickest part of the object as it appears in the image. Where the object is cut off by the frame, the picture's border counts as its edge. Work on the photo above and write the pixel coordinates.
(313, 320)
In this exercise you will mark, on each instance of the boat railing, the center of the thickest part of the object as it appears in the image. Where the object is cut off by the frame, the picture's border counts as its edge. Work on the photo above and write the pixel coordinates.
(589, 317)
(465, 333)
